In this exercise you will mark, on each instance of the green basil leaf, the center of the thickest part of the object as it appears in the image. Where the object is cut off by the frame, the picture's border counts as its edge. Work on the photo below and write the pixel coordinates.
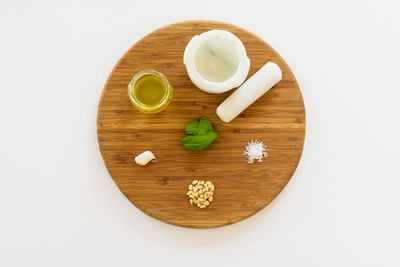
(192, 128)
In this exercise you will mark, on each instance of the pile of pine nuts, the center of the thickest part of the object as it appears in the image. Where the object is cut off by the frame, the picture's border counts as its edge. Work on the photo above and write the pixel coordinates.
(200, 193)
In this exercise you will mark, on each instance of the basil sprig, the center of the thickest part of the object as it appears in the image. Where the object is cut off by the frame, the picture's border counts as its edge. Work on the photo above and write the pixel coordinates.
(200, 134)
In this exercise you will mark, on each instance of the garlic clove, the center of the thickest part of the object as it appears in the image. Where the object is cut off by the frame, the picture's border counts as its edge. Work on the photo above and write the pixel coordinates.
(145, 158)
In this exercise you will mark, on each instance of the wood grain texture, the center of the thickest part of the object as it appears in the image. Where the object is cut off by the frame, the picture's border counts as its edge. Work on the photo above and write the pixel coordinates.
(159, 189)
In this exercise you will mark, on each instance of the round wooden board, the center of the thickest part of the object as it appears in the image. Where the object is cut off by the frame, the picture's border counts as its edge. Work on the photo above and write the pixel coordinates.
(159, 189)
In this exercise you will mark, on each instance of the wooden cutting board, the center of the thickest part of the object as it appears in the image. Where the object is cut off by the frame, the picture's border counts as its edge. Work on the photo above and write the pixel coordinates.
(159, 189)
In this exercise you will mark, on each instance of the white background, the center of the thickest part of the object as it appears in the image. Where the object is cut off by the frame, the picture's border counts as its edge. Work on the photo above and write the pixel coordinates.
(59, 206)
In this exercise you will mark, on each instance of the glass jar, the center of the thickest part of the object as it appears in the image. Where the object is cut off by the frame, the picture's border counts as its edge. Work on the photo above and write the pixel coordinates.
(149, 91)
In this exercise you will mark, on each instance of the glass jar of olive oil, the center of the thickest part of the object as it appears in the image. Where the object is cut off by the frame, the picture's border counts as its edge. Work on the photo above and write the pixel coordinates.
(149, 91)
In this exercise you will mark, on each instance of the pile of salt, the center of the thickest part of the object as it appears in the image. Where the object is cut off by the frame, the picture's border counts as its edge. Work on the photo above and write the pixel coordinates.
(255, 150)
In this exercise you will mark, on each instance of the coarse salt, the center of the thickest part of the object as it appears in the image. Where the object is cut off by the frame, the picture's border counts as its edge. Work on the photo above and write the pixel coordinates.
(255, 150)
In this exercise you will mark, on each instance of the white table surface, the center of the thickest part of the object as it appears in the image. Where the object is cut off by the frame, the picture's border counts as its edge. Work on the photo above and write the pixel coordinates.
(59, 206)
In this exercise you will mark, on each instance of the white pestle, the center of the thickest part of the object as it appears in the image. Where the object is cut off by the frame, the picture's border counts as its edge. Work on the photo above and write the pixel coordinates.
(256, 86)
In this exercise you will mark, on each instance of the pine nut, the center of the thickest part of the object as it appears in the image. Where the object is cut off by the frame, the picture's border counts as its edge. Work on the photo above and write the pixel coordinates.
(200, 193)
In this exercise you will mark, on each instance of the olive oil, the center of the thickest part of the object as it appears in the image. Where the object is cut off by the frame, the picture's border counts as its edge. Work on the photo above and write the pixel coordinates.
(150, 90)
